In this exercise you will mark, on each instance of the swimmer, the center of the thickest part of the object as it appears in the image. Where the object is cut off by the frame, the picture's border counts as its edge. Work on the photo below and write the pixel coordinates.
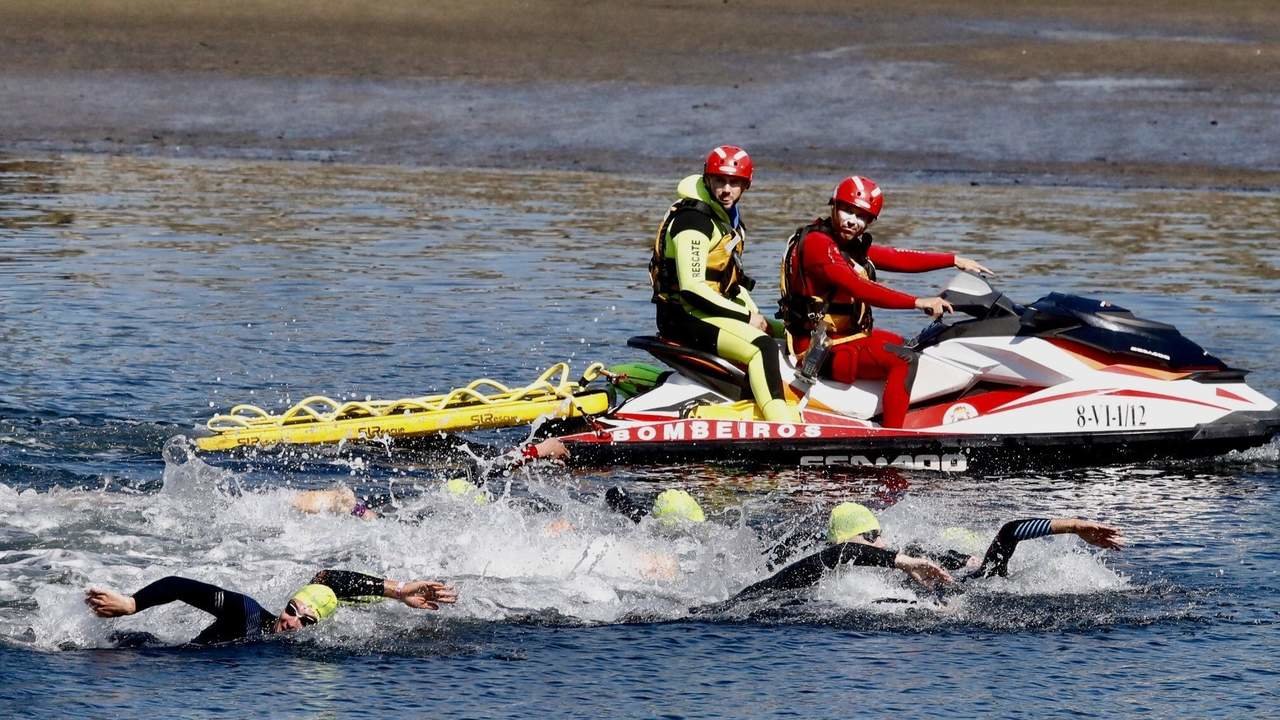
(239, 617)
(670, 507)
(855, 538)
(343, 501)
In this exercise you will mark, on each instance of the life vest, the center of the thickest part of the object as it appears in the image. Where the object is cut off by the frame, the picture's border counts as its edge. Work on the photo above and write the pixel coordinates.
(846, 319)
(724, 271)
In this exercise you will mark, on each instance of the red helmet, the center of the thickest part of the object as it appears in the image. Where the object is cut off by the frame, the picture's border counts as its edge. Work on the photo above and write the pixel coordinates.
(730, 161)
(861, 193)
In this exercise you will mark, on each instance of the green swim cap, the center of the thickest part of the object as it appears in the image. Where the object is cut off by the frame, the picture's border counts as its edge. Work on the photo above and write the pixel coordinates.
(849, 520)
(463, 489)
(319, 598)
(672, 506)
(963, 539)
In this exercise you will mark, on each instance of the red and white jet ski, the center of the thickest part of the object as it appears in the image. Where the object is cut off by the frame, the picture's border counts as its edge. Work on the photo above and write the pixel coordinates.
(1065, 379)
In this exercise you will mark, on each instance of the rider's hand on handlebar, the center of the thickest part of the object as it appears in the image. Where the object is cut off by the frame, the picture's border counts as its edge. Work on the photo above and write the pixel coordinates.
(973, 266)
(934, 307)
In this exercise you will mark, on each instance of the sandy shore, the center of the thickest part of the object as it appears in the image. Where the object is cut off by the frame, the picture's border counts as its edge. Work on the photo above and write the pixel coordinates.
(1152, 94)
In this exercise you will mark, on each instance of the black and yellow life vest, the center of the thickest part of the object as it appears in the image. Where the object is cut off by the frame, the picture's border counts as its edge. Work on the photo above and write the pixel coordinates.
(724, 271)
(845, 317)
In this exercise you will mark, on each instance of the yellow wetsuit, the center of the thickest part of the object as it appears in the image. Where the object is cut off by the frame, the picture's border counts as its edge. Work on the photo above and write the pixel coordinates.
(703, 295)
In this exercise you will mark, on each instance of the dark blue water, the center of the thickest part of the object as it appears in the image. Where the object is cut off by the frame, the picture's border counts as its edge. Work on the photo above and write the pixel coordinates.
(140, 297)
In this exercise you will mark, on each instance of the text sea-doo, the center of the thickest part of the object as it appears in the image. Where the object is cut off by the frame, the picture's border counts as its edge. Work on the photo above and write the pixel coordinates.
(1064, 379)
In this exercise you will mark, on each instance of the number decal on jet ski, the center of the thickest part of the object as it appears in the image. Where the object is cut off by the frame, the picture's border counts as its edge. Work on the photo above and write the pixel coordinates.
(1127, 415)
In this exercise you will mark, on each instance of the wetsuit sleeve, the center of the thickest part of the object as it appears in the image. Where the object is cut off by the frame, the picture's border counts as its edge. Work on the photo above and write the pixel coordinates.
(237, 616)
(622, 503)
(786, 541)
(824, 262)
(809, 570)
(996, 561)
(692, 248)
(209, 598)
(950, 560)
(903, 260)
(347, 584)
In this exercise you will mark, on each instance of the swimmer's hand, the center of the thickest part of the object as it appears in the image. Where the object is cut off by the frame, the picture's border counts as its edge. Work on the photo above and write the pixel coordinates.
(922, 571)
(549, 449)
(427, 594)
(1094, 533)
(552, 449)
(108, 603)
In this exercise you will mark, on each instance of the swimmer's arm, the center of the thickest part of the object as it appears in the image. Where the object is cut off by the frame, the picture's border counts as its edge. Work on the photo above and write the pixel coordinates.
(621, 502)
(347, 584)
(950, 559)
(209, 598)
(549, 449)
(1094, 533)
(996, 561)
(422, 594)
(809, 570)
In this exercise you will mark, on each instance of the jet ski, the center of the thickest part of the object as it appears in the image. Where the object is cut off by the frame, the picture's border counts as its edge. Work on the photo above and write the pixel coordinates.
(1063, 380)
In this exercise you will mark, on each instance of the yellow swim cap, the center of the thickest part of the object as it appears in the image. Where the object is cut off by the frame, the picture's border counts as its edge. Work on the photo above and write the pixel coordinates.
(319, 598)
(464, 490)
(672, 506)
(849, 520)
(963, 539)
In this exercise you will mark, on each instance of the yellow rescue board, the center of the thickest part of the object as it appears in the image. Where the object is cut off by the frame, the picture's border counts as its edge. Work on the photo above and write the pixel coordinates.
(481, 404)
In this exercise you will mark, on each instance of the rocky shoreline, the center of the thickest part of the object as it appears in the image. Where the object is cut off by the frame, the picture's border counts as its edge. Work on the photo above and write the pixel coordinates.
(1156, 94)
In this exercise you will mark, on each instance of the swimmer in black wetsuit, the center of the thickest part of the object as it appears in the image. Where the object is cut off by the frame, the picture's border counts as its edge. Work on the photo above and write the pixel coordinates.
(855, 534)
(669, 507)
(809, 570)
(240, 617)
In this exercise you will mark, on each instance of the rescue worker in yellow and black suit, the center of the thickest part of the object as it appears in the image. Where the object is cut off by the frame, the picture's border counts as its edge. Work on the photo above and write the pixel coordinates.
(700, 287)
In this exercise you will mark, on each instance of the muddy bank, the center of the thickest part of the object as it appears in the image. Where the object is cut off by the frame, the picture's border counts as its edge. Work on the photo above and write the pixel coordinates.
(1157, 94)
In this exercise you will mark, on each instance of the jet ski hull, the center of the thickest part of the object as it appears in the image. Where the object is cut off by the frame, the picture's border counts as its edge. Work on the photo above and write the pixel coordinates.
(834, 447)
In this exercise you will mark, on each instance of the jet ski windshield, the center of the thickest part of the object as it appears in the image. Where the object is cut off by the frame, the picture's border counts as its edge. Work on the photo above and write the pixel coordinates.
(971, 295)
(968, 284)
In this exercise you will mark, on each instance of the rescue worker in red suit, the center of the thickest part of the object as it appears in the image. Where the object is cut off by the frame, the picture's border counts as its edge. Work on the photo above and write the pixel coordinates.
(829, 267)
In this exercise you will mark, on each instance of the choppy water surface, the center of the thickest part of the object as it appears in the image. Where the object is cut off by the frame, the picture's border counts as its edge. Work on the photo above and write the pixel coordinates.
(141, 296)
